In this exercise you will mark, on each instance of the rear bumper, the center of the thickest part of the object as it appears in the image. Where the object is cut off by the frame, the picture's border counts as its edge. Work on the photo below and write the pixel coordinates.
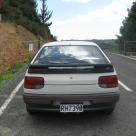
(52, 102)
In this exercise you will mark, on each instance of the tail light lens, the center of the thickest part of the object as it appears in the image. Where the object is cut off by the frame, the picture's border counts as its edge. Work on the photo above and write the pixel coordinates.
(34, 82)
(108, 81)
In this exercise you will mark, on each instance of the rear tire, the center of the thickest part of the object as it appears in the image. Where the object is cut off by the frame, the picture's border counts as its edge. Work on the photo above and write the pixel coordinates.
(29, 110)
(109, 111)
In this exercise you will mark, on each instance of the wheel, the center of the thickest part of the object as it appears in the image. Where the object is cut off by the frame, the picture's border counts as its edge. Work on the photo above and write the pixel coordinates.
(109, 111)
(29, 110)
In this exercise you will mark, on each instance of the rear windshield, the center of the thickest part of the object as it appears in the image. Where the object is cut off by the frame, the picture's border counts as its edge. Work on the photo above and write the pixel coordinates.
(84, 55)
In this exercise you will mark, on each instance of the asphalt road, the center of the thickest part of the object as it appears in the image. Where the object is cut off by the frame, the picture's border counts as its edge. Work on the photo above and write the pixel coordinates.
(16, 122)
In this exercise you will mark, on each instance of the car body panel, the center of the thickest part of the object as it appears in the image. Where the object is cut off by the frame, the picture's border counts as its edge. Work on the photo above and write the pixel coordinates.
(71, 84)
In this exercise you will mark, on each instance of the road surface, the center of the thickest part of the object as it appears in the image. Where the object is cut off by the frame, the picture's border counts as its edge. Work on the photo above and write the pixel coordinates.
(16, 122)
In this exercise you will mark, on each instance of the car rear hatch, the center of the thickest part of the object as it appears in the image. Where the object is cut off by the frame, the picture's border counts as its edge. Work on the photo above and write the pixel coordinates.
(72, 79)
(71, 69)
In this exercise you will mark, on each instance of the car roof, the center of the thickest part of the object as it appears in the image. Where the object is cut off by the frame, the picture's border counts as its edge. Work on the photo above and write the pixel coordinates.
(59, 43)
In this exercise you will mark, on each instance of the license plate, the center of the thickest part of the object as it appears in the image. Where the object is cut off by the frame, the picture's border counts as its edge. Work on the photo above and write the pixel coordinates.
(71, 108)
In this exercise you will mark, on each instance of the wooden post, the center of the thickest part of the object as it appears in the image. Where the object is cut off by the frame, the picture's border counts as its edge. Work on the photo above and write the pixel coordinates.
(0, 17)
(39, 43)
(1, 5)
(124, 47)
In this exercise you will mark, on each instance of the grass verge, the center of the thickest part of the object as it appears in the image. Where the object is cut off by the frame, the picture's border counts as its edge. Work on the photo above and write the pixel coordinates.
(6, 77)
(15, 69)
(10, 74)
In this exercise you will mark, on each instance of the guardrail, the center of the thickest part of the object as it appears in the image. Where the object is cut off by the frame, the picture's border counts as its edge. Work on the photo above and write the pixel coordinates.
(130, 53)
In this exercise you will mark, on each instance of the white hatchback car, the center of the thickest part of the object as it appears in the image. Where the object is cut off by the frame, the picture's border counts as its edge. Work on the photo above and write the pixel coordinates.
(70, 76)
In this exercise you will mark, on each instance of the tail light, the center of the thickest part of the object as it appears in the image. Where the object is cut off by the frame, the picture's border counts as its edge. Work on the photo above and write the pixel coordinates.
(108, 81)
(34, 82)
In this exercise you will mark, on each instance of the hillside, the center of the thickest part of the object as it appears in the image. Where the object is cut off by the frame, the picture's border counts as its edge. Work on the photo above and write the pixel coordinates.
(12, 49)
(25, 13)
(21, 22)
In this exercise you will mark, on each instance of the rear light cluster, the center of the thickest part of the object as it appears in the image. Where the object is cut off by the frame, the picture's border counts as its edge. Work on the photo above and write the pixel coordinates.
(33, 82)
(108, 81)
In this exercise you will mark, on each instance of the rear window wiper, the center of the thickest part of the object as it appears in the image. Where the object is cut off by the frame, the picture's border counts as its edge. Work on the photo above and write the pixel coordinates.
(58, 62)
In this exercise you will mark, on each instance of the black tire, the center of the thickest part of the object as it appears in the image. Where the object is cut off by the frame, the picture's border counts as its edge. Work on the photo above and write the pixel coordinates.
(109, 111)
(29, 110)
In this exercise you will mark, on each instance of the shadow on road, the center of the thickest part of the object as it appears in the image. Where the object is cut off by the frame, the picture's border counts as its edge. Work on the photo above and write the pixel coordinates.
(59, 119)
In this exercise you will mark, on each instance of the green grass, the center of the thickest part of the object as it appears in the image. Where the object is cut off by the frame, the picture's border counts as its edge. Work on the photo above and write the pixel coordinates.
(9, 75)
(16, 67)
(6, 77)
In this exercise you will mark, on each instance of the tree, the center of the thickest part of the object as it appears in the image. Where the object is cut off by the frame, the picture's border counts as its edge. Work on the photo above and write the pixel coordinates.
(24, 12)
(128, 29)
(45, 14)
(1, 5)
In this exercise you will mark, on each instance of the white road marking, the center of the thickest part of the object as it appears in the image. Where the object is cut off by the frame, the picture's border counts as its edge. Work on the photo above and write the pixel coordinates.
(125, 87)
(124, 56)
(9, 99)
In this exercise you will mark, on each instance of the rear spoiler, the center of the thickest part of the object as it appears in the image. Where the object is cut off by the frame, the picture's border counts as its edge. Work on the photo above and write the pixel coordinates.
(70, 69)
